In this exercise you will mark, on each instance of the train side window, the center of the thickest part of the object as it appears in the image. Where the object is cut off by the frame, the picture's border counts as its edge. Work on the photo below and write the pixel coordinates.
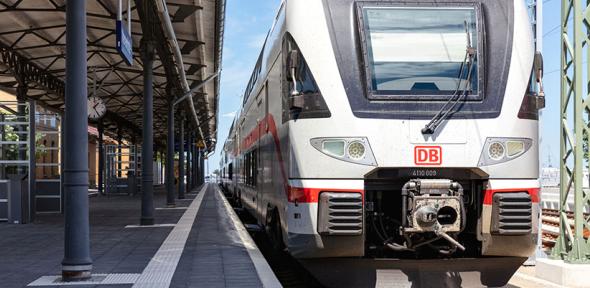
(302, 97)
(247, 168)
(529, 107)
(230, 171)
(251, 168)
(254, 167)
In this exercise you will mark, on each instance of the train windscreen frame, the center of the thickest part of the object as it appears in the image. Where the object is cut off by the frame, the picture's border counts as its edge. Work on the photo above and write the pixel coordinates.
(420, 52)
(496, 34)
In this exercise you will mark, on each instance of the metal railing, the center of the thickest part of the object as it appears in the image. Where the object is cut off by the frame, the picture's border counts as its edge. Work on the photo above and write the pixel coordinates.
(122, 169)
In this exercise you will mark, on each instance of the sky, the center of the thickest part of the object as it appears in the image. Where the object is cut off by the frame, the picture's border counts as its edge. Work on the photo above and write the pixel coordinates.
(248, 22)
(246, 26)
(551, 57)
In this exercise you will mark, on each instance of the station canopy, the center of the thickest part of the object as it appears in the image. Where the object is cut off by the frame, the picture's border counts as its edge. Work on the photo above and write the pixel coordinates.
(32, 48)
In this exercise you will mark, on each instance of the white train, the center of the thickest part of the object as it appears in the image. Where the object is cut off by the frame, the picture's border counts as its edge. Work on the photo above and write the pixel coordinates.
(404, 129)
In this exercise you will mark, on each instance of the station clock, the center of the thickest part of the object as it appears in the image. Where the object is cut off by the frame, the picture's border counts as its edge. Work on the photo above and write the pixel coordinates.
(96, 108)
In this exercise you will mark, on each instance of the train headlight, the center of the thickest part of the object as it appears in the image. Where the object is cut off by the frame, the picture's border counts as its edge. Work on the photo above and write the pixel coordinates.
(496, 151)
(499, 150)
(356, 150)
(350, 149)
(334, 147)
(514, 148)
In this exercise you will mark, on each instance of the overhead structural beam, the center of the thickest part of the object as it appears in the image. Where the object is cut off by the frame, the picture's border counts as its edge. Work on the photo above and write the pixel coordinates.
(192, 91)
(184, 11)
(149, 20)
(121, 122)
(30, 72)
(169, 30)
(148, 16)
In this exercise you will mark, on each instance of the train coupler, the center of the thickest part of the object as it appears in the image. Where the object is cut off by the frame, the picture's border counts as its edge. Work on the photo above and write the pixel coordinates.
(435, 207)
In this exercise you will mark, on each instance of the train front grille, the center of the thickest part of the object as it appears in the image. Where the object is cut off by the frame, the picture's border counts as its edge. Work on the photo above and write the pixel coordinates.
(511, 213)
(340, 213)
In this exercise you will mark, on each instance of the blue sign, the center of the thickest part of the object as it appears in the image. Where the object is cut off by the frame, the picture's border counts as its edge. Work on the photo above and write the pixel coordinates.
(124, 43)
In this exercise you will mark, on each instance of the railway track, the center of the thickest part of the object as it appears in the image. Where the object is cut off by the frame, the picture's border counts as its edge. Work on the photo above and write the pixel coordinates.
(550, 226)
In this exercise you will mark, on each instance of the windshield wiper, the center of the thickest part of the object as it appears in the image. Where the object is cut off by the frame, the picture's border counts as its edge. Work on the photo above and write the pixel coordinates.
(459, 93)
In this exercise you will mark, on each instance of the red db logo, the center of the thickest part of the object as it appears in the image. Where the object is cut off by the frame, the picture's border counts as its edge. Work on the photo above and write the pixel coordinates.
(427, 155)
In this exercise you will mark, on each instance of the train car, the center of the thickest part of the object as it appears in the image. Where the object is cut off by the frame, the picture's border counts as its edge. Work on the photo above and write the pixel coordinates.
(228, 161)
(393, 129)
(227, 156)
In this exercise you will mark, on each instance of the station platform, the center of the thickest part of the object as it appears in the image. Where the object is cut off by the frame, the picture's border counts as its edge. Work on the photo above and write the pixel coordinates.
(198, 243)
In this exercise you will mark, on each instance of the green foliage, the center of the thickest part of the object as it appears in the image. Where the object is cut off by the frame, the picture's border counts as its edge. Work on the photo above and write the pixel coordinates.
(40, 150)
(10, 135)
(12, 151)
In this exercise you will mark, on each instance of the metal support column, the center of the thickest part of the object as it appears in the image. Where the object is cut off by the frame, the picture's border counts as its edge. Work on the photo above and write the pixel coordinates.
(201, 166)
(181, 158)
(136, 174)
(195, 164)
(62, 161)
(163, 165)
(77, 263)
(157, 170)
(198, 172)
(32, 163)
(170, 158)
(147, 165)
(571, 245)
(101, 158)
(119, 154)
(189, 160)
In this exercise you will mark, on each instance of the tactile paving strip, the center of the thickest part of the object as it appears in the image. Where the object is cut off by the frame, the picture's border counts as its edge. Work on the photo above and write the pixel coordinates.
(151, 226)
(97, 279)
(161, 268)
(171, 208)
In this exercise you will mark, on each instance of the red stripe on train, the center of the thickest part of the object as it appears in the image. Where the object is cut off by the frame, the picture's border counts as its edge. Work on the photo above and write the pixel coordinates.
(312, 195)
(489, 194)
(265, 126)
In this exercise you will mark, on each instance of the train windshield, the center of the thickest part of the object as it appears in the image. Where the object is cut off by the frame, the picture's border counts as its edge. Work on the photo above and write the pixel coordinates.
(414, 52)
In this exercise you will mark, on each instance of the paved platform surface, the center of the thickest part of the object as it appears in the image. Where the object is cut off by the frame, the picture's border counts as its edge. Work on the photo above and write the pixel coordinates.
(214, 255)
(217, 256)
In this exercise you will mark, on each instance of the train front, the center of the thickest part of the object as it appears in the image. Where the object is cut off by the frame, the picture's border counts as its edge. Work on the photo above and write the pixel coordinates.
(431, 147)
